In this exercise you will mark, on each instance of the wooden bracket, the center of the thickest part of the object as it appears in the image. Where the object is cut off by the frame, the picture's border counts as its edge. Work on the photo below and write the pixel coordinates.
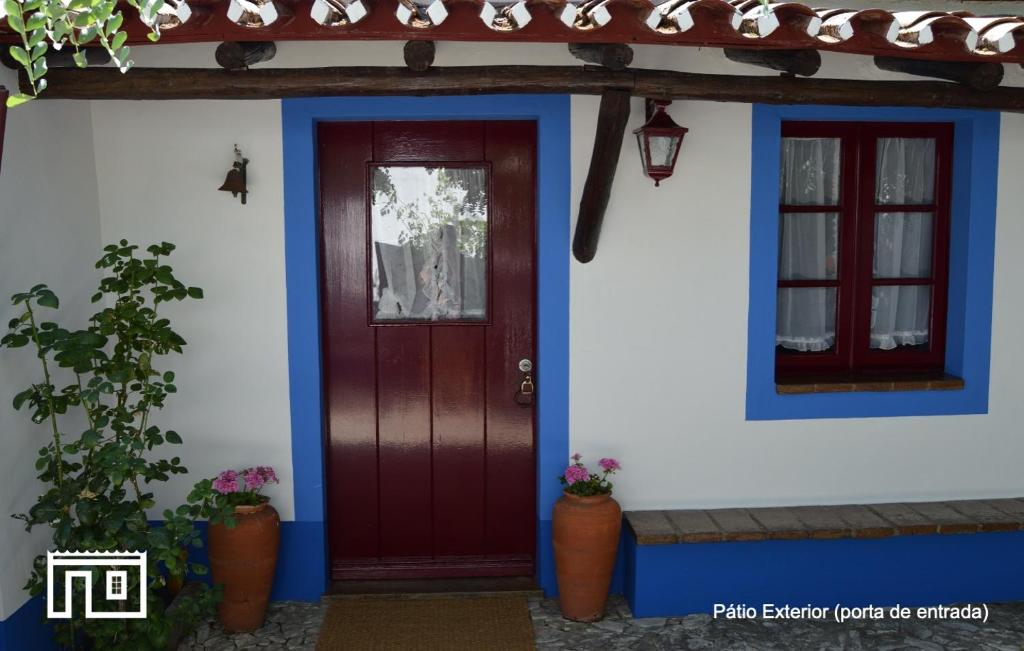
(793, 62)
(979, 76)
(611, 125)
(614, 56)
(419, 55)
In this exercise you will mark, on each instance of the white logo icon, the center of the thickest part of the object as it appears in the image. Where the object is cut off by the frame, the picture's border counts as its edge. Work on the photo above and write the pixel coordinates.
(115, 567)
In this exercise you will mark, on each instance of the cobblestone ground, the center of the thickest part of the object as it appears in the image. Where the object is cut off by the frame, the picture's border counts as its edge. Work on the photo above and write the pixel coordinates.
(293, 625)
(290, 625)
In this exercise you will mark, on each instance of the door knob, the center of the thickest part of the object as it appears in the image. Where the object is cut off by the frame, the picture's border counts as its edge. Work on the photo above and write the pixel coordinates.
(527, 390)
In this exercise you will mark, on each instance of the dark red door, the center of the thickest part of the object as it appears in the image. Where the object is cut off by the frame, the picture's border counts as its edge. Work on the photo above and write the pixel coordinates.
(428, 312)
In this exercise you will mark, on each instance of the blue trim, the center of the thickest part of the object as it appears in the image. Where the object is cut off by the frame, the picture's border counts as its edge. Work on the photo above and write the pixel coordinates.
(299, 118)
(27, 628)
(972, 254)
(299, 574)
(673, 580)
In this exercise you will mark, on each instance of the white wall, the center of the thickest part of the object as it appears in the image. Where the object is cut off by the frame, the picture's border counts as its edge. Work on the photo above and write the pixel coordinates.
(658, 318)
(232, 406)
(663, 310)
(49, 233)
(659, 334)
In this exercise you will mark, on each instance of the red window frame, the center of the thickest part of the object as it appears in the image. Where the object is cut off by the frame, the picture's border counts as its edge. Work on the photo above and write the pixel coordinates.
(3, 119)
(851, 352)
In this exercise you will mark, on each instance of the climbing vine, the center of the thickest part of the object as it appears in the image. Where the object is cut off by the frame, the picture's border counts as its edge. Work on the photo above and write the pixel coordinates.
(55, 24)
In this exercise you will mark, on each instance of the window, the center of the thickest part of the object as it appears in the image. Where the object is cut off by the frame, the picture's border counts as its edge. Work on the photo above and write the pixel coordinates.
(863, 258)
(429, 235)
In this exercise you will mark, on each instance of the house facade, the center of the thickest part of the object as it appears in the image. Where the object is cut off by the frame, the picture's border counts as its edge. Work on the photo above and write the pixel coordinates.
(760, 329)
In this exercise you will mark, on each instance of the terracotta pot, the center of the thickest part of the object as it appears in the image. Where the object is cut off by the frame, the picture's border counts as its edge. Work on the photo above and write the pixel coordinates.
(243, 559)
(586, 537)
(176, 581)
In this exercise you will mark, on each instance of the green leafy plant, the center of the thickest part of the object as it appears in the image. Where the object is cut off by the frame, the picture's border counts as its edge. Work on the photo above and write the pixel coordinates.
(95, 482)
(55, 24)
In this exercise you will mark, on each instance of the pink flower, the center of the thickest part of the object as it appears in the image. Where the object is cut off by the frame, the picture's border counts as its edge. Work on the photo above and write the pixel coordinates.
(226, 482)
(576, 457)
(575, 473)
(253, 479)
(609, 465)
(268, 474)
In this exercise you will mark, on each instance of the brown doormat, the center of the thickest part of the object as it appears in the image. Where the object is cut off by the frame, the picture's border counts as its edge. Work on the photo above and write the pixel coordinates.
(443, 624)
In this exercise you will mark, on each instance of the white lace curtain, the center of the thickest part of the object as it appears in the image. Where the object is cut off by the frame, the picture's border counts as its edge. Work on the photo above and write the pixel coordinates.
(809, 243)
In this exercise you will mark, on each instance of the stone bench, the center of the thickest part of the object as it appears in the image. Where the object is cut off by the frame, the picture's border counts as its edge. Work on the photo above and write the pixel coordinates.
(912, 553)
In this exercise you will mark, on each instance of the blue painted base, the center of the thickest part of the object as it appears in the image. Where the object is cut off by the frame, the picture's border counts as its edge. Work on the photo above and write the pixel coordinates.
(27, 628)
(671, 580)
(301, 573)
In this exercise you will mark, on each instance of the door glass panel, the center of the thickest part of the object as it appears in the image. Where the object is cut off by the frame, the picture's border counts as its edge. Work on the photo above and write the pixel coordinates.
(810, 172)
(903, 245)
(429, 243)
(900, 315)
(905, 171)
(806, 319)
(808, 246)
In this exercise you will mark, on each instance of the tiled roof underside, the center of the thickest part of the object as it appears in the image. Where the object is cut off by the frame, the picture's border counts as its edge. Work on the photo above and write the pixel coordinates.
(938, 35)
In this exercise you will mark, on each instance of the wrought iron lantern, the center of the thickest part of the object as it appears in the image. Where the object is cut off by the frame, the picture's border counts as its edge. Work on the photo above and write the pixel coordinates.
(659, 140)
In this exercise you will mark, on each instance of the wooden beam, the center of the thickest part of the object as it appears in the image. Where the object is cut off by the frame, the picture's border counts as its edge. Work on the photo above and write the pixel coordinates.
(419, 55)
(235, 55)
(793, 62)
(275, 83)
(614, 56)
(63, 58)
(979, 76)
(611, 125)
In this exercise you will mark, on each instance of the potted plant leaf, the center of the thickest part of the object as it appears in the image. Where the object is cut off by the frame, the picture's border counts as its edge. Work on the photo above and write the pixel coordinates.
(96, 401)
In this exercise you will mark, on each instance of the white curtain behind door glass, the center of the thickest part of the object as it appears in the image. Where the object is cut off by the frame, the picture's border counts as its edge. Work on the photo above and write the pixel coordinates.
(904, 174)
(808, 243)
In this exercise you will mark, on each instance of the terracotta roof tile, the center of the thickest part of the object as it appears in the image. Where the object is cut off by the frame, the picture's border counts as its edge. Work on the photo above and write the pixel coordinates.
(937, 35)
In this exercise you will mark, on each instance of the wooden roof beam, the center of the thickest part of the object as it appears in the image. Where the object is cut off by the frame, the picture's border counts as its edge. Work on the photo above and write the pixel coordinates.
(611, 125)
(979, 76)
(276, 83)
(234, 55)
(63, 58)
(614, 56)
(419, 55)
(791, 62)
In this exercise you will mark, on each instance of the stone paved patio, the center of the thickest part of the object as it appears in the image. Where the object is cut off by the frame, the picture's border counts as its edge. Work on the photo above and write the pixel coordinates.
(295, 625)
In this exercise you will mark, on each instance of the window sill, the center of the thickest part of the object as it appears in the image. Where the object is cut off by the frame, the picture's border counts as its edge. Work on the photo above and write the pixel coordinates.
(885, 384)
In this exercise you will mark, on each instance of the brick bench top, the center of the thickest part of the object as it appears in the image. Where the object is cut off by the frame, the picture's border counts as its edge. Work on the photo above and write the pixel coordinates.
(824, 522)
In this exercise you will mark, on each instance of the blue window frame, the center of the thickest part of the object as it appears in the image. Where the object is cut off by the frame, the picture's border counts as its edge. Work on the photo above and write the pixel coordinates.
(972, 251)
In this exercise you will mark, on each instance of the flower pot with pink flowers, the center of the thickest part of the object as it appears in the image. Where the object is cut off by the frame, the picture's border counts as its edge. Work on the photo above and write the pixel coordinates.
(586, 523)
(244, 536)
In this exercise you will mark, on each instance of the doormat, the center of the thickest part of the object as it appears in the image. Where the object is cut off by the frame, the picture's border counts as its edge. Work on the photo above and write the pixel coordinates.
(442, 624)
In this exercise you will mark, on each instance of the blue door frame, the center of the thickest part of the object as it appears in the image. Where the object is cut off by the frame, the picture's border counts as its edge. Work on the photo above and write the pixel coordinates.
(302, 572)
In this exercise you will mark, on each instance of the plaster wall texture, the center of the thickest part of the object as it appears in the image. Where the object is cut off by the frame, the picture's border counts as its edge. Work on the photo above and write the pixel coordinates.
(49, 233)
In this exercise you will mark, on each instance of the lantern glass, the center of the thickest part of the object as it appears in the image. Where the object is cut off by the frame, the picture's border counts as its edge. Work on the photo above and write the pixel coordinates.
(663, 150)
